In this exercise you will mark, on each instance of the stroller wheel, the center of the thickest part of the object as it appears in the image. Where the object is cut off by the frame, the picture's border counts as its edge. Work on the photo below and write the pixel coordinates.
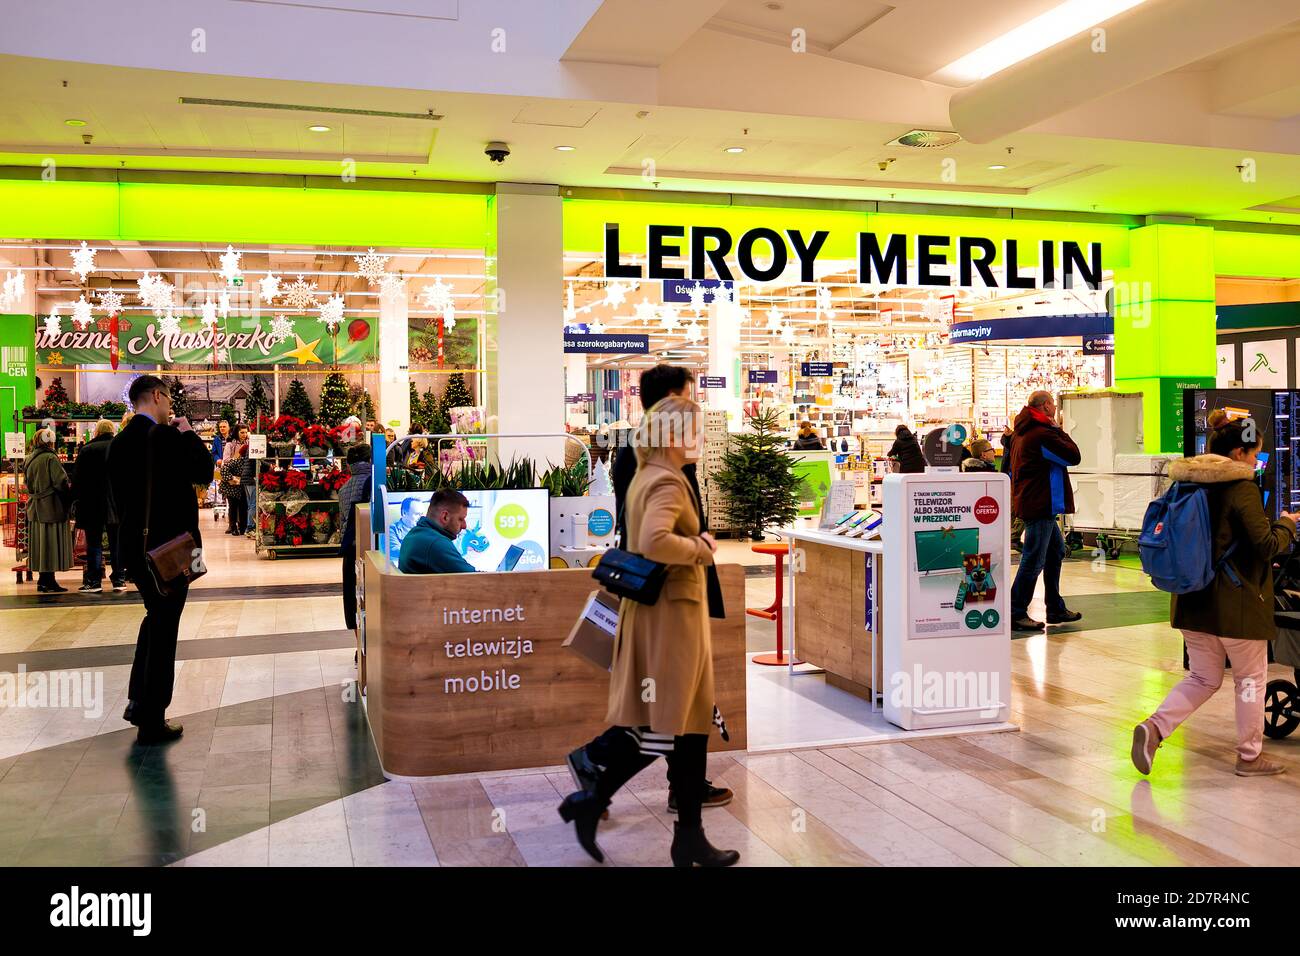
(1280, 717)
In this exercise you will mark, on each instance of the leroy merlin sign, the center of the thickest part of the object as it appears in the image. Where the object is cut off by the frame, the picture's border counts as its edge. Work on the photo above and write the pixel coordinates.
(241, 342)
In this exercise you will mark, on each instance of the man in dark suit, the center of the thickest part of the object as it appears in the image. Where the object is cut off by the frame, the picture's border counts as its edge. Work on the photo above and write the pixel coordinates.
(154, 441)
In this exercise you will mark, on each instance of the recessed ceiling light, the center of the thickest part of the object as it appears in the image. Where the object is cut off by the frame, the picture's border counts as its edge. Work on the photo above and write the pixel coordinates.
(566, 149)
(997, 166)
(319, 129)
(74, 122)
(734, 149)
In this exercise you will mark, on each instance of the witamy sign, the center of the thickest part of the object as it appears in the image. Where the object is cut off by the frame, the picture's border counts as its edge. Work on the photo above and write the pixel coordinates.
(884, 260)
(511, 649)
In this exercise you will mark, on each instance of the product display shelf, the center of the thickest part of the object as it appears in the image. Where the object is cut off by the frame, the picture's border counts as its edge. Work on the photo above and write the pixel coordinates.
(267, 506)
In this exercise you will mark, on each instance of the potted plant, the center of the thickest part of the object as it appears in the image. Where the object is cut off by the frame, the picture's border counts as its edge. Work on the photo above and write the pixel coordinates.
(296, 528)
(282, 434)
(331, 481)
(757, 476)
(271, 484)
(322, 525)
(316, 439)
(295, 484)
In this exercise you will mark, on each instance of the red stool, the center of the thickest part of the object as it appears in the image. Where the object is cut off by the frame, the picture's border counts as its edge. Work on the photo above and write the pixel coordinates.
(773, 613)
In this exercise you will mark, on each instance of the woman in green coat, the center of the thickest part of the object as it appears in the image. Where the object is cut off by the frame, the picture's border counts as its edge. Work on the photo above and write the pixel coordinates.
(49, 536)
(1233, 617)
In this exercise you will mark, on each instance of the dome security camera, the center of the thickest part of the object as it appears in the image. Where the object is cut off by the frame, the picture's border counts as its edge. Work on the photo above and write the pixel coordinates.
(496, 152)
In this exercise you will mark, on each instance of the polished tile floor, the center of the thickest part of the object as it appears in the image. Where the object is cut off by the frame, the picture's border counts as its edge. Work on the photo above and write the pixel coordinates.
(276, 766)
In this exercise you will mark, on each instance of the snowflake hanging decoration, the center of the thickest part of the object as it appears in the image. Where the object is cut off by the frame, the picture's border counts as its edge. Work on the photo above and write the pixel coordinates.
(824, 302)
(449, 318)
(223, 304)
(53, 325)
(774, 319)
(81, 316)
(230, 264)
(208, 313)
(15, 285)
(156, 293)
(110, 302)
(437, 296)
(372, 265)
(669, 317)
(615, 293)
(223, 354)
(645, 311)
(331, 312)
(301, 294)
(83, 261)
(697, 293)
(596, 328)
(392, 285)
(724, 295)
(281, 329)
(787, 333)
(268, 287)
(169, 324)
(693, 332)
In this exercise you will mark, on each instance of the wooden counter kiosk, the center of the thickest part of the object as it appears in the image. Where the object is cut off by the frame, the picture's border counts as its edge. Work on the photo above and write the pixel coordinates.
(466, 672)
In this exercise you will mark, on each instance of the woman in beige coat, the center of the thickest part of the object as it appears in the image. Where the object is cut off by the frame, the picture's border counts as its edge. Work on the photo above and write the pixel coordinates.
(661, 680)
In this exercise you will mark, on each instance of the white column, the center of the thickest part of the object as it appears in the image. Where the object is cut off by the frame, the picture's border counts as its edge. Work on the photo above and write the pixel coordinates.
(394, 360)
(526, 361)
(724, 340)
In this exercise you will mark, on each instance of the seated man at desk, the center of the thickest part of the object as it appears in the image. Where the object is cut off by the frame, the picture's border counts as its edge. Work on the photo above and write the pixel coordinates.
(430, 547)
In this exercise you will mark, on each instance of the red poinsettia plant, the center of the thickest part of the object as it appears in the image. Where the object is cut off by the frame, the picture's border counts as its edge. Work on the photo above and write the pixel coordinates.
(272, 480)
(286, 428)
(315, 436)
(332, 480)
(263, 424)
(321, 521)
(341, 436)
(295, 480)
(296, 522)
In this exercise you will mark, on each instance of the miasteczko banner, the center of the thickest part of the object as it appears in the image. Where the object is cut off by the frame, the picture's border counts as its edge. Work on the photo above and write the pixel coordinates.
(238, 341)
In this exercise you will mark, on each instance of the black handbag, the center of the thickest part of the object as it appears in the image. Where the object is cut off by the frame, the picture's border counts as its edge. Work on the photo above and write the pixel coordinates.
(631, 576)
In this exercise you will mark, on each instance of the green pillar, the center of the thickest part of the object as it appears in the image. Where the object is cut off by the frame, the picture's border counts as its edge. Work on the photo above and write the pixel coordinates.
(1164, 324)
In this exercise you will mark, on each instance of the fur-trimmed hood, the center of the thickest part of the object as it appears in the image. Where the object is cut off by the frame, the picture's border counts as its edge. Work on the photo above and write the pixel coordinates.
(1209, 470)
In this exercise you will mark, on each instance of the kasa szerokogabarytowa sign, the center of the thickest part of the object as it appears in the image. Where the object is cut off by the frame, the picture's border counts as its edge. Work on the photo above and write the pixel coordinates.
(590, 344)
(139, 341)
(1065, 264)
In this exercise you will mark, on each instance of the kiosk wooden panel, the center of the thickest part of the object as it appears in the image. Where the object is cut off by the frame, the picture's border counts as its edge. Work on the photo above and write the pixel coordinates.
(452, 689)
(831, 626)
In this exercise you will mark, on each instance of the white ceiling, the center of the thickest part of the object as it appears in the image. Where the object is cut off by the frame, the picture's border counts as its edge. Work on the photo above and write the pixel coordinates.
(672, 83)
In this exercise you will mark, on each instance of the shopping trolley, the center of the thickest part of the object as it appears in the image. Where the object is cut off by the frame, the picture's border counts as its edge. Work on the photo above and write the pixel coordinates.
(1281, 696)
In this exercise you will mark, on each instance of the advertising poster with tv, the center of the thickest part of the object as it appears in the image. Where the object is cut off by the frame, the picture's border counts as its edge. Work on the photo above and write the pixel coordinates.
(505, 530)
(957, 538)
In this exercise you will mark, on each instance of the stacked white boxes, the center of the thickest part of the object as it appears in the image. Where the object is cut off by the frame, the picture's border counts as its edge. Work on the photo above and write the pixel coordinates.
(1140, 479)
(716, 440)
(1105, 426)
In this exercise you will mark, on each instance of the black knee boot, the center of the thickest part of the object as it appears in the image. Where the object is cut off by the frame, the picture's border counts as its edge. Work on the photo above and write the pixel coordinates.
(691, 847)
(687, 766)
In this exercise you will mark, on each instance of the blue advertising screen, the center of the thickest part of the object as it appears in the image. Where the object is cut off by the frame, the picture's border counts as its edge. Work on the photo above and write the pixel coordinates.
(505, 531)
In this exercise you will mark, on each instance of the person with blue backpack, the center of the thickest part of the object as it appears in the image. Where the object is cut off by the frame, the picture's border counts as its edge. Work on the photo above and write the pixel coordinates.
(1041, 452)
(1210, 543)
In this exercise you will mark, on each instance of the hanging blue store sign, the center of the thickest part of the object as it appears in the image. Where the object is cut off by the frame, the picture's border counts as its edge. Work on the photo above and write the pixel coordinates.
(580, 398)
(762, 376)
(679, 290)
(1099, 345)
(713, 381)
(817, 369)
(606, 344)
(1080, 325)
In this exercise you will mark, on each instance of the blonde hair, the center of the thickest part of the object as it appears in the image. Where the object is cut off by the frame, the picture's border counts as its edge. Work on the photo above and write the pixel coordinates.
(103, 427)
(673, 421)
(44, 438)
(126, 417)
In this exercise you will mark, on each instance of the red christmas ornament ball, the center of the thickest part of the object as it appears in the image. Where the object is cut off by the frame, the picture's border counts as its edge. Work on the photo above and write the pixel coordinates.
(358, 329)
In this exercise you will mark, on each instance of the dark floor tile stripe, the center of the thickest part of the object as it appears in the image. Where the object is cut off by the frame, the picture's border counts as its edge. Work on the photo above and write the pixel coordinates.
(80, 658)
(75, 598)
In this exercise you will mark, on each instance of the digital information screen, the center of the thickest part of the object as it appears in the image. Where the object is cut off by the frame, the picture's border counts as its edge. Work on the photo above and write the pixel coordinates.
(505, 531)
(1276, 413)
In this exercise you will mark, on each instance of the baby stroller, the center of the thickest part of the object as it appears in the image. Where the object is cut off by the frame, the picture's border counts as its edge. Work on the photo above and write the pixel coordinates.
(1282, 697)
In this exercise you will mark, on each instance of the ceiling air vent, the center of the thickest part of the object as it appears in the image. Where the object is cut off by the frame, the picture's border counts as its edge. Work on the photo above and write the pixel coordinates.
(926, 139)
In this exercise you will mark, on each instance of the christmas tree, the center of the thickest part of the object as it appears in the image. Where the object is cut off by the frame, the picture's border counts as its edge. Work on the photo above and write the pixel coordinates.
(758, 478)
(334, 404)
(297, 404)
(258, 402)
(362, 404)
(228, 414)
(56, 394)
(417, 409)
(456, 395)
(180, 401)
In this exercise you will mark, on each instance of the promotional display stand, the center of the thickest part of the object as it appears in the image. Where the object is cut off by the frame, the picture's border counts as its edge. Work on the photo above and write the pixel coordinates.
(948, 574)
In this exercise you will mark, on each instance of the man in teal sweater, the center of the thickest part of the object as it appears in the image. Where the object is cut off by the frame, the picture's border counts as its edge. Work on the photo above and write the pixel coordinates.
(429, 547)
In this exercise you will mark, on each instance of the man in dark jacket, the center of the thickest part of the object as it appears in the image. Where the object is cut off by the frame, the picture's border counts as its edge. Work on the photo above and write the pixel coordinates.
(155, 450)
(1017, 526)
(90, 492)
(1040, 491)
(907, 452)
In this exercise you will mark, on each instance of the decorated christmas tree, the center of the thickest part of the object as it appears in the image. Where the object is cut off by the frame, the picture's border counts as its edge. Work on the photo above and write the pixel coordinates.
(229, 414)
(258, 402)
(180, 401)
(363, 406)
(334, 404)
(436, 421)
(297, 404)
(56, 394)
(758, 478)
(456, 395)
